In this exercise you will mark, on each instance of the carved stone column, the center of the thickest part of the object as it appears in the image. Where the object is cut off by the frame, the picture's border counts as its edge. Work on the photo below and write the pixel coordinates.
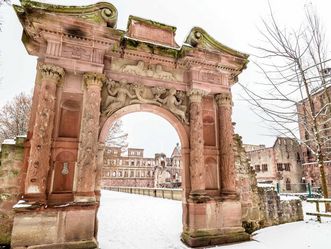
(197, 145)
(101, 150)
(88, 147)
(39, 159)
(227, 167)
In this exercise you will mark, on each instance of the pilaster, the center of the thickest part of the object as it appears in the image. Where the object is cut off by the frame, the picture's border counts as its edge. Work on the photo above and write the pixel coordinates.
(197, 145)
(88, 146)
(39, 158)
(227, 166)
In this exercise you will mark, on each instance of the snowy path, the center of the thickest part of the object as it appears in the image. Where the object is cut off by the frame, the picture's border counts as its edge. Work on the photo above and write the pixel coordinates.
(128, 221)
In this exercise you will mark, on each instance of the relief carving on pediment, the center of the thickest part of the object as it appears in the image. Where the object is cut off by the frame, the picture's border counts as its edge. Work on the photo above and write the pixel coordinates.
(142, 69)
(118, 94)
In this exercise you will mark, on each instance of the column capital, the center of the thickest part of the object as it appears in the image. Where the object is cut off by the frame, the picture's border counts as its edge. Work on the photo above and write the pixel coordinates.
(94, 79)
(196, 95)
(224, 99)
(52, 72)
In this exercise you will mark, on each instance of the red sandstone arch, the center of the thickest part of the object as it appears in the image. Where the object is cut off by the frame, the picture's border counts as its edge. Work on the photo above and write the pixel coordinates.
(75, 57)
(181, 130)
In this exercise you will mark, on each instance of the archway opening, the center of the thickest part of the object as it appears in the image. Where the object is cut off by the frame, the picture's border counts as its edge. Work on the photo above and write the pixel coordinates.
(149, 169)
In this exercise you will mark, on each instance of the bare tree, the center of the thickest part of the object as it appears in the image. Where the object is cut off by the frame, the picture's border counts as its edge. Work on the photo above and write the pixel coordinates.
(14, 117)
(117, 137)
(296, 89)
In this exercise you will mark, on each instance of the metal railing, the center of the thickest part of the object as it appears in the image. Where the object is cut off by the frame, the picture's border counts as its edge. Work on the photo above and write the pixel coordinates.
(165, 193)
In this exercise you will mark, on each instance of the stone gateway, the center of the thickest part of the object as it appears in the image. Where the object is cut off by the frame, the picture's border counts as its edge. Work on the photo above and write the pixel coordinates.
(89, 74)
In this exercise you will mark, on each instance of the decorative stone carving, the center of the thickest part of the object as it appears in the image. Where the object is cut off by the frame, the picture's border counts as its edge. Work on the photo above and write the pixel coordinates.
(52, 72)
(152, 71)
(41, 141)
(161, 74)
(76, 52)
(99, 13)
(97, 79)
(89, 133)
(207, 76)
(228, 184)
(224, 99)
(138, 69)
(196, 95)
(174, 104)
(116, 95)
(197, 146)
(65, 170)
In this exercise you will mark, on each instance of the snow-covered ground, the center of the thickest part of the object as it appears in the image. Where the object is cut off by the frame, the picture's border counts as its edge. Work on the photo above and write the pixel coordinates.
(128, 221)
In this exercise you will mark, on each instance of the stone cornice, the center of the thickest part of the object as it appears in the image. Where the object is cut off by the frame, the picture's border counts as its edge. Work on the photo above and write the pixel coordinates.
(224, 99)
(196, 95)
(94, 79)
(200, 38)
(98, 13)
(51, 72)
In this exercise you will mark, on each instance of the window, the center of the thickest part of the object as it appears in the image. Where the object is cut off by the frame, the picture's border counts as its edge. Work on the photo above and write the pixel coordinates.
(257, 168)
(279, 166)
(298, 157)
(114, 174)
(132, 163)
(264, 167)
(131, 173)
(288, 184)
(287, 166)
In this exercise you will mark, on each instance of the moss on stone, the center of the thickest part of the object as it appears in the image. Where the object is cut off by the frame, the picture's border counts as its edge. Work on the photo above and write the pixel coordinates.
(151, 23)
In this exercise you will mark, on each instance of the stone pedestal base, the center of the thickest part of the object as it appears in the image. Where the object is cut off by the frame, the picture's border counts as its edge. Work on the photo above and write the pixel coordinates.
(213, 222)
(203, 238)
(55, 228)
(92, 244)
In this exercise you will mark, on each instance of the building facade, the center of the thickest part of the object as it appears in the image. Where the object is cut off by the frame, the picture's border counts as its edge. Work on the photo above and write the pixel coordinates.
(135, 170)
(321, 104)
(280, 164)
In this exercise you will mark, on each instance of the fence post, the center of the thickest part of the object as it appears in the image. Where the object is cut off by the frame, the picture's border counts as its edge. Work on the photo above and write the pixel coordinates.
(309, 189)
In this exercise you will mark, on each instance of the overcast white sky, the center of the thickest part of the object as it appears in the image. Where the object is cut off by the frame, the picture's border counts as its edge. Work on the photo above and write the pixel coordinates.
(233, 23)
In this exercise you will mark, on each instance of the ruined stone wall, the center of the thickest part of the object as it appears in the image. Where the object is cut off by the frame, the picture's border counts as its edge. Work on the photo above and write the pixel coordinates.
(11, 162)
(261, 207)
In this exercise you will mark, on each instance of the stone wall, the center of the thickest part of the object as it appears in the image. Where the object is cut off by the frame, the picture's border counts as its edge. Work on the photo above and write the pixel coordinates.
(11, 163)
(261, 207)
